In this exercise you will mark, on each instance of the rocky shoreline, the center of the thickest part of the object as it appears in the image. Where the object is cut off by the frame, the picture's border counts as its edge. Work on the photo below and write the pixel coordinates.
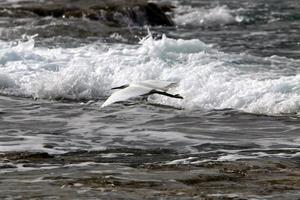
(132, 174)
(113, 13)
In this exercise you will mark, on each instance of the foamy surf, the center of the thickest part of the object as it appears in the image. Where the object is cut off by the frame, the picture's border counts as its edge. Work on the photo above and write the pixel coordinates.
(207, 78)
(199, 16)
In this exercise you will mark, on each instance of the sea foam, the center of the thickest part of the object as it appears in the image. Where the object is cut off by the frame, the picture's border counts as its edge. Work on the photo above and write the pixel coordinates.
(219, 15)
(207, 78)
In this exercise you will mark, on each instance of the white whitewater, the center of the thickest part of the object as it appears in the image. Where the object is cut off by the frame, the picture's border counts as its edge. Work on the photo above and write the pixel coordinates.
(219, 15)
(208, 78)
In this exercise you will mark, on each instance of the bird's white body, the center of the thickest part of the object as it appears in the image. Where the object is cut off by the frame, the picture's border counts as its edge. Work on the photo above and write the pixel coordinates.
(138, 89)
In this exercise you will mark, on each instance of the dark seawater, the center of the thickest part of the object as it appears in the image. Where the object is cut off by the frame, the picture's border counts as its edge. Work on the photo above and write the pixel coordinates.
(235, 135)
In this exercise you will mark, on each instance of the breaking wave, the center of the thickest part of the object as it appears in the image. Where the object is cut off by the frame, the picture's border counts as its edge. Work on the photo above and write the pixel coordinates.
(208, 78)
(219, 15)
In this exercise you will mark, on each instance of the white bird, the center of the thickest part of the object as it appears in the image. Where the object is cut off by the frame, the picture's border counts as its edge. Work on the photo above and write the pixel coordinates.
(143, 88)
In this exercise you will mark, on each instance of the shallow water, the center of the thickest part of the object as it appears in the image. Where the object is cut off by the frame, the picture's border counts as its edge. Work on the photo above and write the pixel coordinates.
(60, 127)
(236, 130)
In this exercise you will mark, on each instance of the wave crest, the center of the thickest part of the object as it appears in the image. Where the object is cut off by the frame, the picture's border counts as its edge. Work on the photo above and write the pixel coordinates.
(208, 78)
(219, 15)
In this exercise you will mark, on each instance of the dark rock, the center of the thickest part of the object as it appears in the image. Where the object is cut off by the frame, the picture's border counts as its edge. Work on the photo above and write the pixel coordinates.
(16, 156)
(49, 146)
(204, 179)
(156, 16)
(7, 166)
(117, 13)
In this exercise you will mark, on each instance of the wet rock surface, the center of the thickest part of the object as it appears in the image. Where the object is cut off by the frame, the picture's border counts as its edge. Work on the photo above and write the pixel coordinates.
(135, 174)
(113, 13)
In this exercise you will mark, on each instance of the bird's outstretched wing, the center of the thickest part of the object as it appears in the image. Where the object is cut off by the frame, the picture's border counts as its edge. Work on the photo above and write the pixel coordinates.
(157, 84)
(127, 93)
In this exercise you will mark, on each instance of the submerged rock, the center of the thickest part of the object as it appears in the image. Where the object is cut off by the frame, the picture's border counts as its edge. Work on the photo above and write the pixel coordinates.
(115, 13)
(136, 174)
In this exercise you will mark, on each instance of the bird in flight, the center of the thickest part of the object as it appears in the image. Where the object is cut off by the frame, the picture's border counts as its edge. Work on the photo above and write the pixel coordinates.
(142, 88)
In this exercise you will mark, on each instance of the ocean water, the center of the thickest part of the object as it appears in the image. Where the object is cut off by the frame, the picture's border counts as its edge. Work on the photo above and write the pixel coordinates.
(236, 63)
